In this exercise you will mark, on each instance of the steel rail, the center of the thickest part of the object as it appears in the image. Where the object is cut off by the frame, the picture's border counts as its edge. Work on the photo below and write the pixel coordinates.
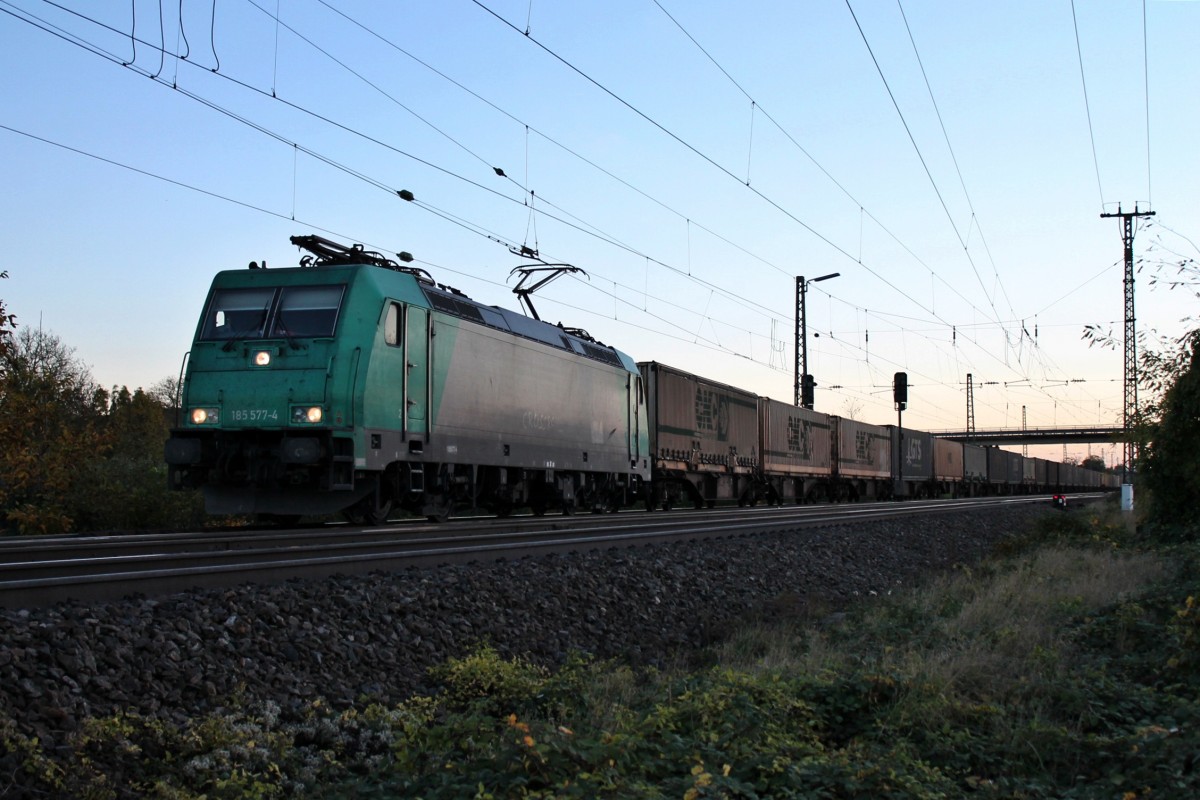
(64, 573)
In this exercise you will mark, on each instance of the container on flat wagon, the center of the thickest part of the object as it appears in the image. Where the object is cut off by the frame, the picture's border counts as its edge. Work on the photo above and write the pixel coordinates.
(1041, 471)
(699, 421)
(916, 453)
(863, 450)
(947, 460)
(1053, 474)
(1028, 470)
(1016, 467)
(1068, 476)
(997, 461)
(793, 440)
(975, 463)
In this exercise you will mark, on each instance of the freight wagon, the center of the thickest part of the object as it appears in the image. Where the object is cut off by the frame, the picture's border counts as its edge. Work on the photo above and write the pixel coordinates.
(704, 439)
(914, 454)
(862, 460)
(797, 452)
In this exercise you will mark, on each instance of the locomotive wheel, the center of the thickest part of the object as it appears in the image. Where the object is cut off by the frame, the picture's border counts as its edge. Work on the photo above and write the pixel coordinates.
(379, 514)
(438, 508)
(366, 512)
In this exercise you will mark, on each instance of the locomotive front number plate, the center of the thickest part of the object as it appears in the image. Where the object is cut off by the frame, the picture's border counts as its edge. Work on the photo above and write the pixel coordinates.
(254, 414)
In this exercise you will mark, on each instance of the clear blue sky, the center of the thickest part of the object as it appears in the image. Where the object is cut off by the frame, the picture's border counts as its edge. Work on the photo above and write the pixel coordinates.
(692, 158)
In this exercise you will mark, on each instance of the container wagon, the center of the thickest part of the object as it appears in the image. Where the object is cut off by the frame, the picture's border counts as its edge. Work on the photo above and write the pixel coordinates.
(913, 452)
(704, 439)
(797, 452)
(975, 470)
(862, 460)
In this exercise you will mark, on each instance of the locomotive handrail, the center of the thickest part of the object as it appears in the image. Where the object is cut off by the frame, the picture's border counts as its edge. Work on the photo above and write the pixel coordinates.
(179, 388)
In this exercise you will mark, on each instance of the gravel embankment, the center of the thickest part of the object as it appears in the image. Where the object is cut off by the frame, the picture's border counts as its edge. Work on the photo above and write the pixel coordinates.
(346, 638)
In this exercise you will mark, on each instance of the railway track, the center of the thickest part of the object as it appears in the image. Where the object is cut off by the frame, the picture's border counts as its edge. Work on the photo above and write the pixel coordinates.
(37, 571)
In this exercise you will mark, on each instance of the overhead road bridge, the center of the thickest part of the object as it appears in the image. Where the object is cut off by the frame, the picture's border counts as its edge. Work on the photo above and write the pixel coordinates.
(997, 436)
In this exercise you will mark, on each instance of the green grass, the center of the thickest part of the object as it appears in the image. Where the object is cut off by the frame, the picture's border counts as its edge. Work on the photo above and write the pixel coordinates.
(1067, 669)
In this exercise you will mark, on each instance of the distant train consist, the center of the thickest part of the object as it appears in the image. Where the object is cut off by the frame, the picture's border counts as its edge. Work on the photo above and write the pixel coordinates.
(717, 443)
(357, 384)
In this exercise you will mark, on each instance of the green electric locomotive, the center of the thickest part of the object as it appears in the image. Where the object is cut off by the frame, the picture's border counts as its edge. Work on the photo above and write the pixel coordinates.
(356, 384)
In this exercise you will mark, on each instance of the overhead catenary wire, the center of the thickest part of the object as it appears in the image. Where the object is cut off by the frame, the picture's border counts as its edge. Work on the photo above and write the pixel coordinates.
(757, 106)
(921, 158)
(1087, 103)
(953, 155)
(974, 220)
(700, 154)
(583, 227)
(466, 225)
(364, 175)
(1146, 90)
(715, 164)
(561, 59)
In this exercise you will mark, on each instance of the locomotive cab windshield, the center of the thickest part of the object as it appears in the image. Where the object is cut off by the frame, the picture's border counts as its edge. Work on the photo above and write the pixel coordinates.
(272, 312)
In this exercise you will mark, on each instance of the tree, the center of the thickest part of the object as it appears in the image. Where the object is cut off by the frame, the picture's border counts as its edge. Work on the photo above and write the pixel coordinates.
(126, 489)
(1170, 461)
(1094, 463)
(166, 392)
(48, 413)
(853, 408)
(76, 457)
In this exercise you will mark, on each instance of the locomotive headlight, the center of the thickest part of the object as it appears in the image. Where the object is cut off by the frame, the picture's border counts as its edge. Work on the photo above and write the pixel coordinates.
(206, 416)
(262, 358)
(309, 415)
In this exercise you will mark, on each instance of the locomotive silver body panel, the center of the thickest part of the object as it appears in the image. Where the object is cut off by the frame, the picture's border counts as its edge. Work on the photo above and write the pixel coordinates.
(506, 400)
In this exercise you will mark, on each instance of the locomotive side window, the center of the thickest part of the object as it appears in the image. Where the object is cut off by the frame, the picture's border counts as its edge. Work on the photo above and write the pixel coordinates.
(391, 325)
(237, 314)
(307, 311)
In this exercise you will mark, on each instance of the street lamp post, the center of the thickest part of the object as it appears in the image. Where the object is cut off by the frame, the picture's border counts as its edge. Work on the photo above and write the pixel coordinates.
(802, 338)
